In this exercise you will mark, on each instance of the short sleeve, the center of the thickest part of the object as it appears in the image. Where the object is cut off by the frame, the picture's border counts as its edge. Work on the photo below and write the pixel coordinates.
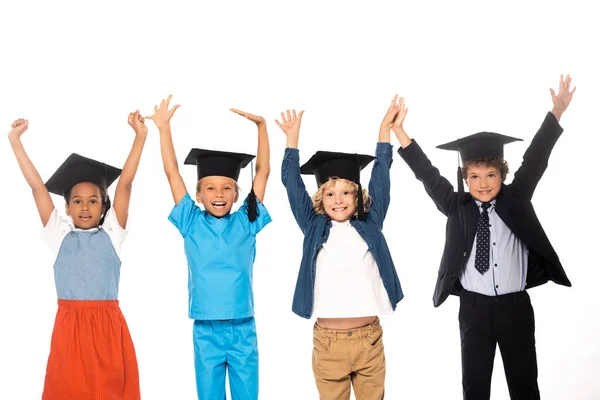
(55, 231)
(115, 232)
(262, 217)
(184, 215)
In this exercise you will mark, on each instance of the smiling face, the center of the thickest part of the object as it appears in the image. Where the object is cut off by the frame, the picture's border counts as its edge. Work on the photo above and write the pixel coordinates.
(339, 199)
(484, 182)
(217, 194)
(85, 205)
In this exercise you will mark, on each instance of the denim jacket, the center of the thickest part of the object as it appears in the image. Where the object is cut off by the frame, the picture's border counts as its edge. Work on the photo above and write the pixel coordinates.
(315, 227)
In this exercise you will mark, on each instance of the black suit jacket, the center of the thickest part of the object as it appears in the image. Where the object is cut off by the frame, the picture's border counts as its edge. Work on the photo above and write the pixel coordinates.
(513, 206)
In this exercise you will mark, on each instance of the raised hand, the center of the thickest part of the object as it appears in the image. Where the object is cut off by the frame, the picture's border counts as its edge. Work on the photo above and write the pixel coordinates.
(18, 128)
(390, 115)
(254, 118)
(162, 115)
(137, 122)
(563, 98)
(290, 125)
(400, 116)
(397, 125)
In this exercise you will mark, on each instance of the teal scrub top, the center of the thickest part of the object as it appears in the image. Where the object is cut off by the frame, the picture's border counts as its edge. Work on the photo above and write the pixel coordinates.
(220, 254)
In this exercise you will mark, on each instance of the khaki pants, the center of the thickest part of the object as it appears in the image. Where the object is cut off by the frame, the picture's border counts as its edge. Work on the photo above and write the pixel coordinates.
(342, 358)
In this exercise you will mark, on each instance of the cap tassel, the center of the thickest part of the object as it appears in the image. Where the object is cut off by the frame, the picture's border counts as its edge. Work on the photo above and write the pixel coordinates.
(252, 206)
(361, 206)
(251, 199)
(459, 177)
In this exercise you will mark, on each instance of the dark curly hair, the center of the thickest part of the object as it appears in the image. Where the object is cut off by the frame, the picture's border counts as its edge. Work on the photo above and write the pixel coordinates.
(497, 162)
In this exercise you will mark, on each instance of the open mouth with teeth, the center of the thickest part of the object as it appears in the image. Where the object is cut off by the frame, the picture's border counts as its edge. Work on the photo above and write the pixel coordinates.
(219, 205)
(85, 217)
(338, 209)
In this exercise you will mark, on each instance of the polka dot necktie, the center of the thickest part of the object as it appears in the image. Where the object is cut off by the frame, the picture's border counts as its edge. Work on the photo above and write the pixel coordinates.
(482, 251)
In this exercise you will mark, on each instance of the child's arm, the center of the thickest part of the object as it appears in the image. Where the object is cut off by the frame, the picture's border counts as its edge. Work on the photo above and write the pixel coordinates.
(42, 198)
(535, 159)
(300, 201)
(123, 191)
(437, 187)
(263, 155)
(162, 117)
(379, 185)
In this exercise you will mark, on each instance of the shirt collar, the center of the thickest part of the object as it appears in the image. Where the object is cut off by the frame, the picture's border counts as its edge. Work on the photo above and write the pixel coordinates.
(340, 224)
(492, 204)
(214, 220)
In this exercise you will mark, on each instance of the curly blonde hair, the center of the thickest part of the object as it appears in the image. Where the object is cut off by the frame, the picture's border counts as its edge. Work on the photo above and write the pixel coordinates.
(317, 198)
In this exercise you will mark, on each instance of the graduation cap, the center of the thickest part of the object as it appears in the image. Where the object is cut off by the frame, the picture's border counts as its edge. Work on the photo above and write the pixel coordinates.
(76, 169)
(218, 163)
(325, 164)
(222, 163)
(477, 146)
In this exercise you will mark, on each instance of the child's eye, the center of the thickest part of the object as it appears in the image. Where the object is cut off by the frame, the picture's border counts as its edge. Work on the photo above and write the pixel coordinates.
(491, 175)
(346, 193)
(227, 188)
(474, 176)
(328, 194)
(93, 201)
(209, 188)
(77, 201)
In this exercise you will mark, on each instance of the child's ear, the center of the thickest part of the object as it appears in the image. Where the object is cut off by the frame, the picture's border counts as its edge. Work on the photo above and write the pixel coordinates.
(237, 195)
(67, 209)
(198, 197)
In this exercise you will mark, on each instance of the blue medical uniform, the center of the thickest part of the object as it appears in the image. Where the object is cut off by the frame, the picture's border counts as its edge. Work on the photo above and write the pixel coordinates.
(220, 254)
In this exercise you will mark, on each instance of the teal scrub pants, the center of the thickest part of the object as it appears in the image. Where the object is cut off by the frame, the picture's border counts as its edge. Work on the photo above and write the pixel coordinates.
(226, 345)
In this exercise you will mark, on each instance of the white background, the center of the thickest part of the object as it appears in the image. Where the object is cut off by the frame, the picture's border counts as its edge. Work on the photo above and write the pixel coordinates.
(76, 69)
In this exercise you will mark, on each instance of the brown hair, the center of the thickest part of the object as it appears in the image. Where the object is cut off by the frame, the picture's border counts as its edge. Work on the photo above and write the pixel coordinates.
(496, 162)
(317, 198)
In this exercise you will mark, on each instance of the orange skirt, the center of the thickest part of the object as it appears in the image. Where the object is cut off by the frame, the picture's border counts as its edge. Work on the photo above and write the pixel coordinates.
(92, 355)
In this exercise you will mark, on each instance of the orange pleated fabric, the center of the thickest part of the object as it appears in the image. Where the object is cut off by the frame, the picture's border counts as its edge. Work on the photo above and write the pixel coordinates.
(91, 355)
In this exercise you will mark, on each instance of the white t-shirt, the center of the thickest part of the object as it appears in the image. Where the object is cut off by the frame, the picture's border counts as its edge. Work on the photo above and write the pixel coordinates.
(347, 283)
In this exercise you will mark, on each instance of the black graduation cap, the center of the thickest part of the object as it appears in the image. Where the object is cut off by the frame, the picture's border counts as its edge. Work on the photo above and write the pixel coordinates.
(223, 163)
(76, 169)
(478, 145)
(327, 164)
(218, 163)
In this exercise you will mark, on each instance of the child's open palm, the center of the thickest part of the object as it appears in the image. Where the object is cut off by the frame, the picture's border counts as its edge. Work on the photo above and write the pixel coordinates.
(290, 124)
(563, 98)
(162, 115)
(18, 128)
(254, 118)
(136, 121)
(400, 115)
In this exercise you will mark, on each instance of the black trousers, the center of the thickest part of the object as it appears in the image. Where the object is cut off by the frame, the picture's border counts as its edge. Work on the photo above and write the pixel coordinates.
(507, 320)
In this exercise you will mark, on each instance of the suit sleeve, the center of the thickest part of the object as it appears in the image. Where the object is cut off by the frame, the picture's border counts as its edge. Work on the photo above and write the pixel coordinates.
(300, 201)
(535, 159)
(437, 187)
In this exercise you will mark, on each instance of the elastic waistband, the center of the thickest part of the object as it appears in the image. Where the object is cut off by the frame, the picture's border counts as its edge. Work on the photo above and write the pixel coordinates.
(508, 298)
(363, 331)
(88, 303)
